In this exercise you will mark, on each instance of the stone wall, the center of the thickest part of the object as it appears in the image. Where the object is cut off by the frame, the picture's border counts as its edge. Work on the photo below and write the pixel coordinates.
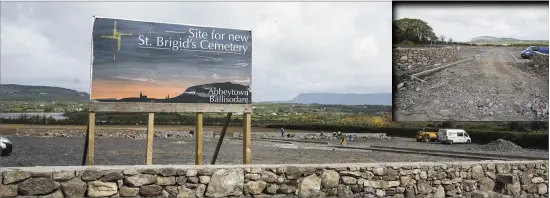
(469, 179)
(407, 61)
(540, 60)
(142, 134)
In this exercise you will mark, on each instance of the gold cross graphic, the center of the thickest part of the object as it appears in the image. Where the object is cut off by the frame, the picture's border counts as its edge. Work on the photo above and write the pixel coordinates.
(117, 36)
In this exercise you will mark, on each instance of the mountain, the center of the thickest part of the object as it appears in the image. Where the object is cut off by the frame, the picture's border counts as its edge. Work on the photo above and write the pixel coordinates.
(344, 99)
(496, 40)
(491, 39)
(226, 93)
(15, 92)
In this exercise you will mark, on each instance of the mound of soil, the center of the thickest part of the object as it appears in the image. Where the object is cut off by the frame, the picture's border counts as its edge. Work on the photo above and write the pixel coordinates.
(500, 145)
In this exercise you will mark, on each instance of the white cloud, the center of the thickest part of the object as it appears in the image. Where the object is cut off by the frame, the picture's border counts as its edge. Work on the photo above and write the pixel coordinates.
(464, 22)
(297, 47)
(22, 46)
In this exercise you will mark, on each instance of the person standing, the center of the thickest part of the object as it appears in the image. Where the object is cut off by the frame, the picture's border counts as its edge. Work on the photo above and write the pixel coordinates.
(282, 132)
(343, 139)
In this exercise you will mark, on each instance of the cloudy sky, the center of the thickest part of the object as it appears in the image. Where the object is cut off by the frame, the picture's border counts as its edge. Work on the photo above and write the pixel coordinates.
(297, 47)
(464, 22)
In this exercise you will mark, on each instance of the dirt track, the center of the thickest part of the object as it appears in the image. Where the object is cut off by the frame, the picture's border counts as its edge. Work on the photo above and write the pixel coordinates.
(493, 87)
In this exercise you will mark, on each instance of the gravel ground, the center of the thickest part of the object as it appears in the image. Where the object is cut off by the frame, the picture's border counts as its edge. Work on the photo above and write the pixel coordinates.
(469, 51)
(500, 145)
(498, 149)
(65, 151)
(491, 88)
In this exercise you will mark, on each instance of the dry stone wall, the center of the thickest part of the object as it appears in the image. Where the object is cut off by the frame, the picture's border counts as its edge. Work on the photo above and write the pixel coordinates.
(468, 179)
(538, 66)
(109, 133)
(407, 61)
(540, 60)
(142, 134)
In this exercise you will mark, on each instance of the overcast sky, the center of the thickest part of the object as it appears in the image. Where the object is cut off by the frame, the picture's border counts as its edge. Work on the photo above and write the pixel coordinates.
(464, 22)
(297, 47)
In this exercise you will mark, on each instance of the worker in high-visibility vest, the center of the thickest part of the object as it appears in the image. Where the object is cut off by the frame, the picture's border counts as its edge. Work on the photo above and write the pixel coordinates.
(344, 140)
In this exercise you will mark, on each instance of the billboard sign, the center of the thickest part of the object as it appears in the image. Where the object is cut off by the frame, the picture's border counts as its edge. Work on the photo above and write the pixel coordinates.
(136, 61)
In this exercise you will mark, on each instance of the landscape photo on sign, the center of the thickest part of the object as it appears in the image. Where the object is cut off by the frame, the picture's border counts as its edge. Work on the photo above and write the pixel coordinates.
(136, 61)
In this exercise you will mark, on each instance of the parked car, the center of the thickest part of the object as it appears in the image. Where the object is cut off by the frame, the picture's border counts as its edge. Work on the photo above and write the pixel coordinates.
(5, 146)
(451, 136)
(528, 52)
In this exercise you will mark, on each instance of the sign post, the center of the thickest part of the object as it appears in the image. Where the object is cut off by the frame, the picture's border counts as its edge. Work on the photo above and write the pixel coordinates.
(91, 138)
(222, 135)
(85, 150)
(150, 136)
(246, 138)
(152, 67)
(198, 137)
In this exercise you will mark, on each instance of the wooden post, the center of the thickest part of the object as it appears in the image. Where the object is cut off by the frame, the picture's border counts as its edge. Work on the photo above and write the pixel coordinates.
(220, 141)
(198, 140)
(150, 136)
(85, 153)
(91, 138)
(246, 138)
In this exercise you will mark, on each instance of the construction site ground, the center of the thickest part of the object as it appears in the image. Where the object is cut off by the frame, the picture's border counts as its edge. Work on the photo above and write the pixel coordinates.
(498, 86)
(66, 151)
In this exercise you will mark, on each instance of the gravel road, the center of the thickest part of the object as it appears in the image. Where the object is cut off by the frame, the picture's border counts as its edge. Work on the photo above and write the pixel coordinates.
(469, 51)
(493, 87)
(64, 151)
(476, 148)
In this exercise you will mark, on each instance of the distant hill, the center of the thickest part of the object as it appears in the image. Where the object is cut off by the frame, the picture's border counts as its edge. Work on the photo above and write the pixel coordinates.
(200, 93)
(491, 39)
(14, 92)
(343, 99)
(497, 40)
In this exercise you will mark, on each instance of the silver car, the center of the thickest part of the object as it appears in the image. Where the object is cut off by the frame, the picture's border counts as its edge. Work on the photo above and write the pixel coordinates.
(5, 146)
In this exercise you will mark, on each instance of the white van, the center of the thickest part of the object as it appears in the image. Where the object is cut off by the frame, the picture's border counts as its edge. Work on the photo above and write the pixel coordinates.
(451, 136)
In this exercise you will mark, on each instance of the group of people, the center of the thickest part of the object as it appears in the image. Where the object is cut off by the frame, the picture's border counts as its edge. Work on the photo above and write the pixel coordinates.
(334, 134)
(287, 135)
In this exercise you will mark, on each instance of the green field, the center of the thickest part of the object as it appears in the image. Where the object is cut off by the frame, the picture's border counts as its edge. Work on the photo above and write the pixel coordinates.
(42, 106)
(294, 117)
(273, 114)
(264, 114)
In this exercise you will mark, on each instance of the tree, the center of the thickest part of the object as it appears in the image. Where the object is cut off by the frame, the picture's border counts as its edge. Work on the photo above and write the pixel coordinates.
(442, 38)
(538, 125)
(447, 124)
(412, 30)
(450, 40)
(518, 126)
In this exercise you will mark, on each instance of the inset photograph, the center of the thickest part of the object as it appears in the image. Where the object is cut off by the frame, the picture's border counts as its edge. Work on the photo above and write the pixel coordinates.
(470, 62)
